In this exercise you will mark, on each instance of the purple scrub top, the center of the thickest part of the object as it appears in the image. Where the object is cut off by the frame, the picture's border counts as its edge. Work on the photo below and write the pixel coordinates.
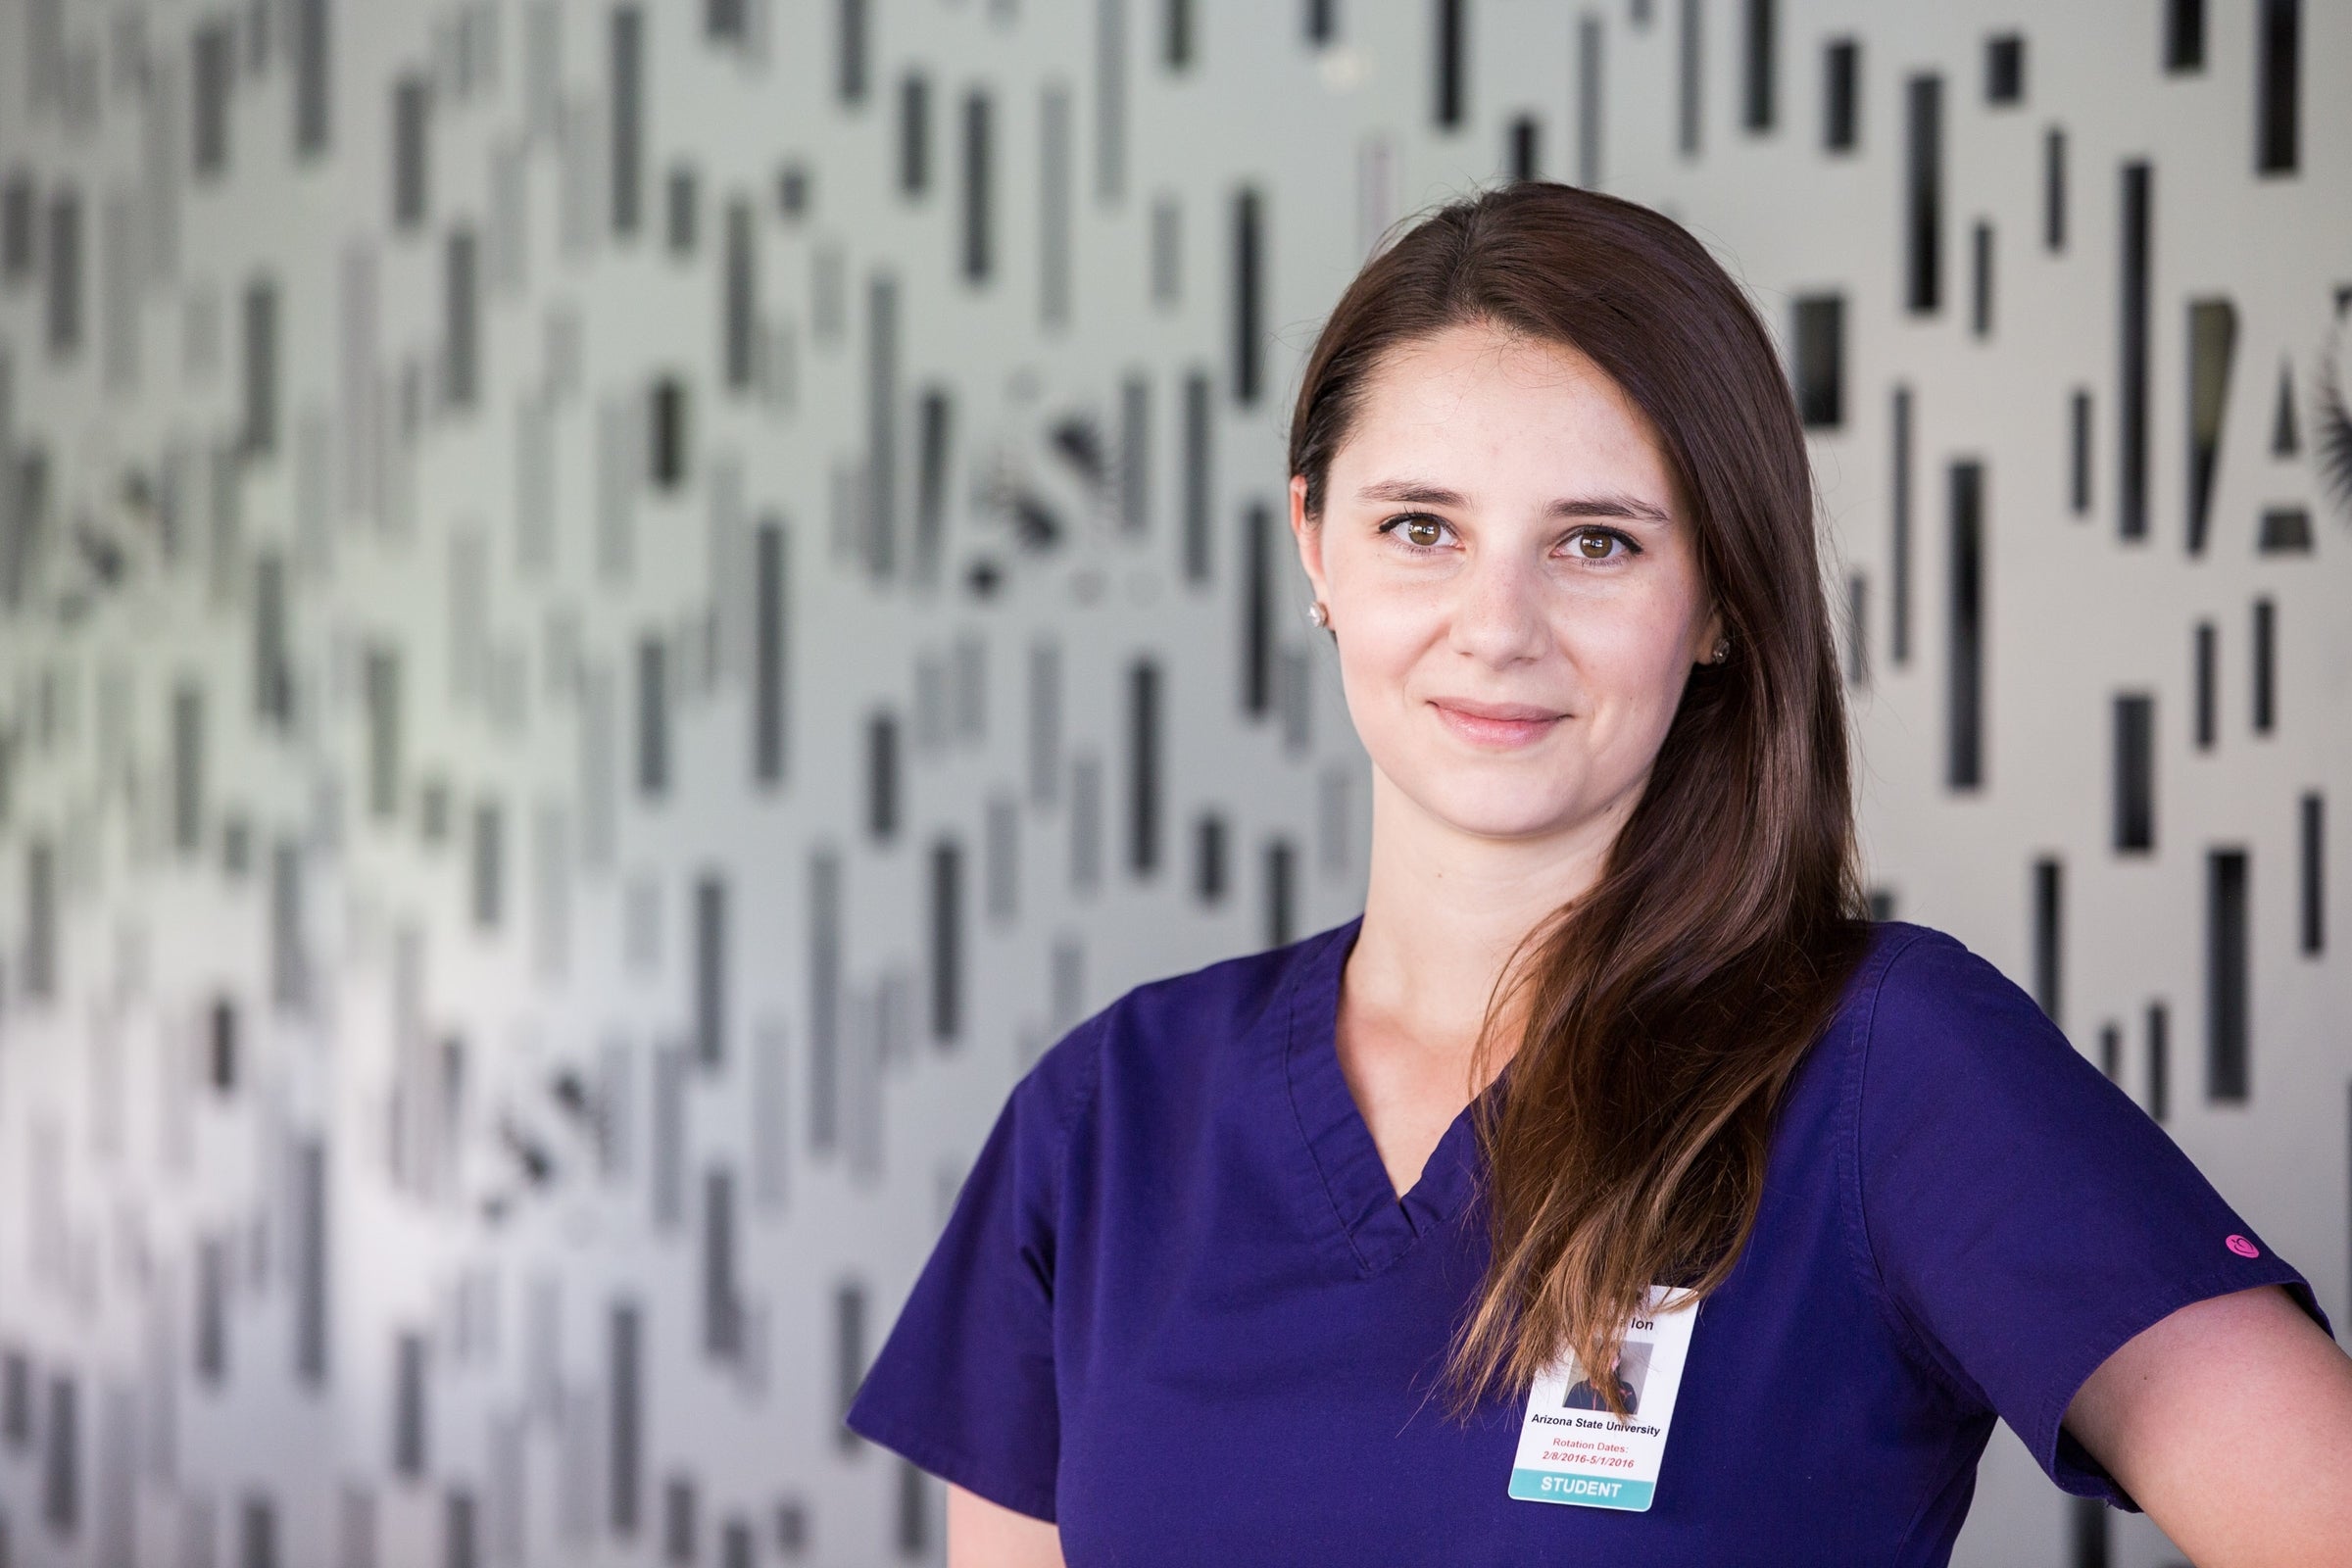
(1179, 1309)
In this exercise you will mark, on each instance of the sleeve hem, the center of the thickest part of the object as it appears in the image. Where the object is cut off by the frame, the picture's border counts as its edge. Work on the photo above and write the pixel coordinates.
(2087, 1477)
(957, 1466)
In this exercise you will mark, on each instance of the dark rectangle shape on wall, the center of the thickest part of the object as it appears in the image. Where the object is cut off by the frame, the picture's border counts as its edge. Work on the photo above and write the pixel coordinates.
(212, 68)
(1247, 302)
(2078, 446)
(2278, 88)
(850, 57)
(824, 1001)
(61, 1469)
(2005, 69)
(935, 414)
(408, 1404)
(740, 310)
(411, 105)
(2228, 958)
(667, 444)
(311, 1261)
(1923, 193)
(460, 319)
(1055, 204)
(669, 1136)
(1453, 64)
(882, 424)
(1980, 277)
(2263, 659)
(1898, 552)
(767, 653)
(313, 77)
(272, 651)
(2049, 913)
(914, 134)
(187, 768)
(680, 1519)
(1820, 335)
(2054, 189)
(710, 969)
(1111, 100)
(882, 777)
(382, 685)
(2160, 1067)
(19, 226)
(461, 1542)
(2132, 368)
(1142, 768)
(626, 84)
(1687, 81)
(40, 920)
(1589, 105)
(947, 940)
(1258, 609)
(211, 1329)
(64, 233)
(915, 1512)
(624, 1404)
(489, 864)
(1762, 66)
(1198, 492)
(2206, 676)
(260, 339)
(1282, 877)
(849, 1357)
(723, 1324)
(2134, 772)
(978, 157)
(2311, 844)
(1135, 452)
(16, 1399)
(653, 716)
(1842, 95)
(2183, 36)
(1176, 34)
(1964, 745)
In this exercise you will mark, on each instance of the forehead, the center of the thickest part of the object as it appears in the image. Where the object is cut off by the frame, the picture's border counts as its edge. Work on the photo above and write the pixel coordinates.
(1478, 401)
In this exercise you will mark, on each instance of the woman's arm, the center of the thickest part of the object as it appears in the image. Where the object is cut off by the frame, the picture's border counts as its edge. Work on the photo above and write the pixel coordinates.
(2231, 1423)
(985, 1535)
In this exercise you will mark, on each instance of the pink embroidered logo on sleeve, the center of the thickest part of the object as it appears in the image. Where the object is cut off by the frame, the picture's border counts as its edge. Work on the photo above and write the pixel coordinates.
(2242, 1246)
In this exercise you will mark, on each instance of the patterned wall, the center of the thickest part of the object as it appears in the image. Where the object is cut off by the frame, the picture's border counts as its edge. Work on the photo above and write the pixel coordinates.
(612, 613)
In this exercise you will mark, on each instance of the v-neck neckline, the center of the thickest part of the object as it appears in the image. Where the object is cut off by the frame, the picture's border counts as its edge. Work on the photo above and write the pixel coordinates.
(1377, 1224)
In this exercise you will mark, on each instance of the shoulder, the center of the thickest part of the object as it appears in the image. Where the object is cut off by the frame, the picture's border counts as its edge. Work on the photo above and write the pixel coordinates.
(1924, 998)
(1165, 1038)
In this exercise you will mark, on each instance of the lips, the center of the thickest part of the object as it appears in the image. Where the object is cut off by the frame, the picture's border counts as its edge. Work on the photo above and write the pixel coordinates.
(1477, 709)
(1496, 724)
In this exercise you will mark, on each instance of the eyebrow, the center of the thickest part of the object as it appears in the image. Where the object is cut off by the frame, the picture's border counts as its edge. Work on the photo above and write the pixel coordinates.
(1420, 492)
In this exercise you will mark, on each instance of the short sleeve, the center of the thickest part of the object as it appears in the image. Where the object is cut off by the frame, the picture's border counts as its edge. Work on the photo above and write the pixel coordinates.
(964, 1383)
(2025, 1216)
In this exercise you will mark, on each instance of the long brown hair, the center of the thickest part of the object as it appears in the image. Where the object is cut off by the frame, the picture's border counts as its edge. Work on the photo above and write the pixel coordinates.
(1667, 1008)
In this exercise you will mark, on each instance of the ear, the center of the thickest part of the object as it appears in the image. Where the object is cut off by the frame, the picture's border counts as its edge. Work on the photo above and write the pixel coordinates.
(1308, 535)
(1707, 636)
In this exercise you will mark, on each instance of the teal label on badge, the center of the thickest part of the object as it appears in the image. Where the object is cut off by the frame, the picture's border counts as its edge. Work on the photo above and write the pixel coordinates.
(1594, 1491)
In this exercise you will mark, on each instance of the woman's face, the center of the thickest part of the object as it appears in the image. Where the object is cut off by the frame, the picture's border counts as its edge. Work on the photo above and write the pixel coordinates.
(1513, 581)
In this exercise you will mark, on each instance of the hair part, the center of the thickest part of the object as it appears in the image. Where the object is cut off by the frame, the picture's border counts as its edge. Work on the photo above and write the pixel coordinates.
(1665, 1009)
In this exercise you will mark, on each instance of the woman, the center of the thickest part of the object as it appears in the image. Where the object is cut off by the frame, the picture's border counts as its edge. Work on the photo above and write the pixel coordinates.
(1614, 1025)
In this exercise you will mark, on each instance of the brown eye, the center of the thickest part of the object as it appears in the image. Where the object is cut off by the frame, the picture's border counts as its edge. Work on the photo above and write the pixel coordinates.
(1416, 526)
(1595, 546)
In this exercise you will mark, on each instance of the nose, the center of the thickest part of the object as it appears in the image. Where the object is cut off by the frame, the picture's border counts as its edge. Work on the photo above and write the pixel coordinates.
(1498, 612)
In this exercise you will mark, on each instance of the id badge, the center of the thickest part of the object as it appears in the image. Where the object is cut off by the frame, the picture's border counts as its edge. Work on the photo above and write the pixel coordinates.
(1573, 1451)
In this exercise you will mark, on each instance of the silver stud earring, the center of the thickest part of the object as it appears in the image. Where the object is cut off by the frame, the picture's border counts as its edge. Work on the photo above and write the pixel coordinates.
(1317, 614)
(1723, 650)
